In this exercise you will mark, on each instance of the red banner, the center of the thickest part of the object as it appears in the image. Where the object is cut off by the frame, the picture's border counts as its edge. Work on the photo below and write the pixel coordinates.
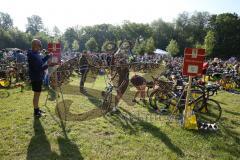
(193, 61)
(55, 49)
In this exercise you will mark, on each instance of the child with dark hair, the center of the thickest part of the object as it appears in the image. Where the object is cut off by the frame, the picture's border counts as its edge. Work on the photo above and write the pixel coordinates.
(140, 83)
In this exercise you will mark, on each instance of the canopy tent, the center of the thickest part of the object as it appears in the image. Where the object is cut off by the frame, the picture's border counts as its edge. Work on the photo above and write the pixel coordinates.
(160, 51)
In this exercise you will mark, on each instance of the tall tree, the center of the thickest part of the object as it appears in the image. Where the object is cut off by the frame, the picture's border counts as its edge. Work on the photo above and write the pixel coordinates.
(139, 47)
(150, 46)
(191, 29)
(91, 45)
(6, 21)
(69, 36)
(134, 31)
(162, 33)
(209, 42)
(34, 24)
(173, 48)
(75, 45)
(227, 34)
(199, 22)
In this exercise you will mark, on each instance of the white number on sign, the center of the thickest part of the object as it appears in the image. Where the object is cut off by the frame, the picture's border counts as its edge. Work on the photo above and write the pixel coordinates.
(54, 60)
(192, 69)
(194, 53)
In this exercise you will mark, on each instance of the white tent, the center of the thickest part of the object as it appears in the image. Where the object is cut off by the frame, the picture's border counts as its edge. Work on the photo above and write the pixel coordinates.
(160, 51)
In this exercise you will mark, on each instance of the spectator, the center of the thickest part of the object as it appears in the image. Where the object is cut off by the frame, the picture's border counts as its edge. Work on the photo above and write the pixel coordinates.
(84, 71)
(36, 73)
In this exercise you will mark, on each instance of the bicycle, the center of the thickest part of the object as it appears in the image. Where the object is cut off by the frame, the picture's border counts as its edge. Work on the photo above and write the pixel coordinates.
(205, 108)
(107, 94)
(165, 98)
(4, 94)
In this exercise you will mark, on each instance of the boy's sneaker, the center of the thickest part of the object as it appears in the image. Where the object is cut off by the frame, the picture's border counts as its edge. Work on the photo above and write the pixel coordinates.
(38, 113)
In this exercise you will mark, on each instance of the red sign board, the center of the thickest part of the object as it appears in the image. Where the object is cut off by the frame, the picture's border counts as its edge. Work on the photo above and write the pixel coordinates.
(55, 49)
(193, 61)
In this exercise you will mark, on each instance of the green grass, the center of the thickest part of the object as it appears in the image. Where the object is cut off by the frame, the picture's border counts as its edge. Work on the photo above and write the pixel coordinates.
(135, 133)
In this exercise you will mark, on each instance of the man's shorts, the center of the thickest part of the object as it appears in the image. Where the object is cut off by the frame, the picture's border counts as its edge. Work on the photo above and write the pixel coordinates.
(36, 86)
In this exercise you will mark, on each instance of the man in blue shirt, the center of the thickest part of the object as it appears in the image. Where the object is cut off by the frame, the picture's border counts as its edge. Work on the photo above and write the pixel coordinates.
(36, 72)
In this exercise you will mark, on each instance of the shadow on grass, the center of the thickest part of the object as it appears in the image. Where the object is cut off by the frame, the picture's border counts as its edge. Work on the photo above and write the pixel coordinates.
(129, 121)
(63, 112)
(228, 147)
(220, 102)
(39, 147)
(235, 122)
(94, 95)
(68, 150)
(231, 112)
(228, 143)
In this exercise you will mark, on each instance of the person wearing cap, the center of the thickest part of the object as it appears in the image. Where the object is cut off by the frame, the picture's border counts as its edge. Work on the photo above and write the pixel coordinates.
(36, 73)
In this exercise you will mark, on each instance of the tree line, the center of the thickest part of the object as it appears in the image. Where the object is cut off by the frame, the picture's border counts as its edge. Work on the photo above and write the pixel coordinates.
(218, 34)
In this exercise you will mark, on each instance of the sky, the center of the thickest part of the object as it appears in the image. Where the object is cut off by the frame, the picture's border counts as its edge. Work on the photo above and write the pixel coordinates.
(69, 13)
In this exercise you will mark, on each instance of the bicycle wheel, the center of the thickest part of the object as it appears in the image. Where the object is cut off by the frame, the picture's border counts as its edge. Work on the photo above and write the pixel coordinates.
(160, 101)
(107, 101)
(4, 94)
(207, 111)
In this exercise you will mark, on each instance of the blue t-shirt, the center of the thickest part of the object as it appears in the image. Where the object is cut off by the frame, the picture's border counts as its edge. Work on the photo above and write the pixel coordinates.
(36, 65)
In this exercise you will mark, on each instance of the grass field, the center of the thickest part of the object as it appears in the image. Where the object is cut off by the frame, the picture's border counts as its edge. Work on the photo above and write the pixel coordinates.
(133, 134)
